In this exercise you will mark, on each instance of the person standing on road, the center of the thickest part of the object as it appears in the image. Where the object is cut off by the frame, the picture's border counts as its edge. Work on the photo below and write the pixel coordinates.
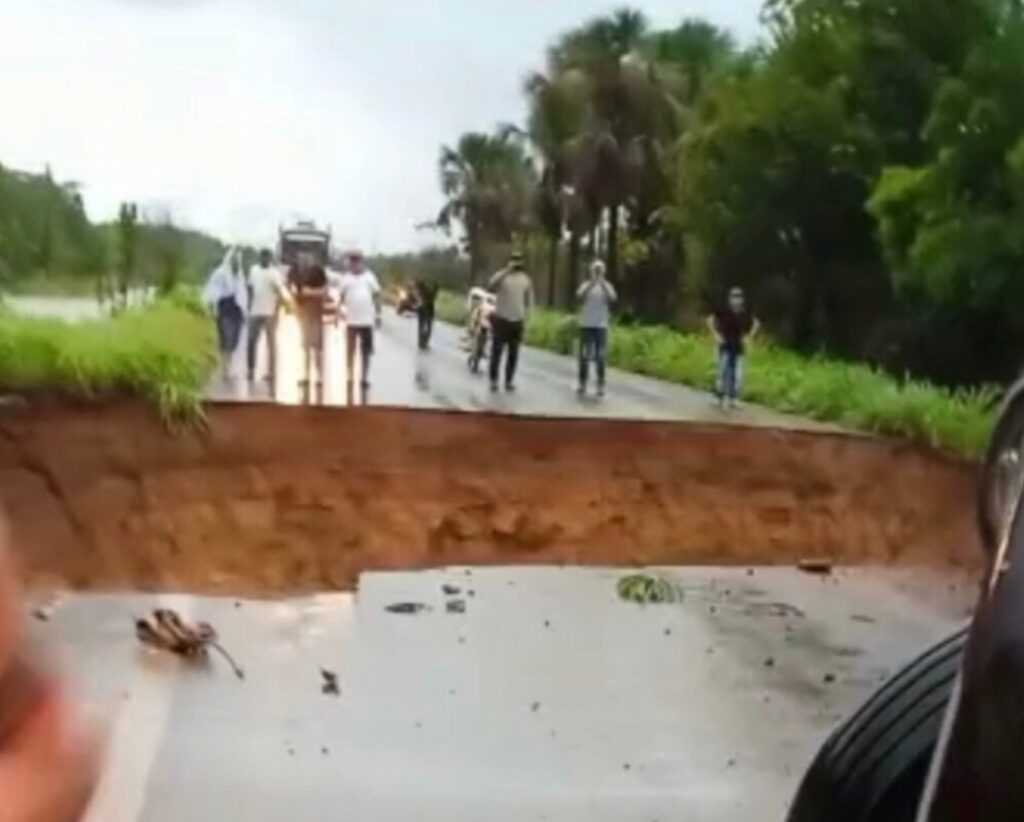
(226, 294)
(361, 307)
(307, 283)
(426, 301)
(267, 290)
(514, 299)
(596, 296)
(733, 326)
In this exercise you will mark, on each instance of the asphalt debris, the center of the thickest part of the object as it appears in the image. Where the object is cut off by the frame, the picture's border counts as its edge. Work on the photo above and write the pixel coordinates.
(42, 613)
(407, 608)
(535, 707)
(815, 565)
(330, 686)
(863, 618)
(169, 632)
(829, 678)
(769, 662)
(451, 590)
(456, 606)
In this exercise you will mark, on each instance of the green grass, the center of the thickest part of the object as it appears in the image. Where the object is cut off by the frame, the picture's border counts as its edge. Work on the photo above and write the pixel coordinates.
(163, 353)
(853, 395)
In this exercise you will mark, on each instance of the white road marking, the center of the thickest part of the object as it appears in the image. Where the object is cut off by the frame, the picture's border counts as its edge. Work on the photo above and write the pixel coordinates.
(138, 731)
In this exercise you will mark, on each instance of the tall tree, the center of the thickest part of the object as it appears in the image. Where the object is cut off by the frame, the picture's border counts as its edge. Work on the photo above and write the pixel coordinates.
(128, 237)
(558, 111)
(597, 57)
(953, 228)
(487, 181)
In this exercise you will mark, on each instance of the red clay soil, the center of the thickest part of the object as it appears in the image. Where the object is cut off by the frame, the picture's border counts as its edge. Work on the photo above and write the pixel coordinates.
(277, 500)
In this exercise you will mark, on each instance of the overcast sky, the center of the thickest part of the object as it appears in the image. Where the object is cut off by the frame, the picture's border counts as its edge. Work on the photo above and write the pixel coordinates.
(238, 114)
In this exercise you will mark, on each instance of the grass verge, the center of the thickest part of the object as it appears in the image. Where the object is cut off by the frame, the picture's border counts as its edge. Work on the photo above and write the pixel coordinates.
(162, 352)
(853, 395)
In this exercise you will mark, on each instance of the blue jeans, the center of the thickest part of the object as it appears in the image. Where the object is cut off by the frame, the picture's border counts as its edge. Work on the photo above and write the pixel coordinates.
(229, 325)
(729, 380)
(593, 346)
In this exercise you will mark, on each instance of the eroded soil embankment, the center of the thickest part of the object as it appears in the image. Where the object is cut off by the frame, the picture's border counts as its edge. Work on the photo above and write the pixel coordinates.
(274, 499)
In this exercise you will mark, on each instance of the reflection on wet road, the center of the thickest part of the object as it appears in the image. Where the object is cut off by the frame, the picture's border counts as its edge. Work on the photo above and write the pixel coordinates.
(401, 375)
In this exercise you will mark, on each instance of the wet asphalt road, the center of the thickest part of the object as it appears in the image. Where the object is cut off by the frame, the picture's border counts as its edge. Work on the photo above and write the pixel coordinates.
(547, 698)
(544, 697)
(401, 375)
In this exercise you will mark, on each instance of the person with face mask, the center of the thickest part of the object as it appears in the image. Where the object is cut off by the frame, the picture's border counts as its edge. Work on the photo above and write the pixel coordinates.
(596, 297)
(733, 327)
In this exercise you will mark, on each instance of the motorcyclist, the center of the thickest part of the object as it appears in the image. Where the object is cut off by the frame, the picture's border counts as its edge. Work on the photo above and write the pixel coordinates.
(473, 301)
(481, 310)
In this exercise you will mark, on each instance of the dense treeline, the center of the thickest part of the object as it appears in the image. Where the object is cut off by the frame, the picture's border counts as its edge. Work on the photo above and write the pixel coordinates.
(46, 240)
(860, 171)
(444, 266)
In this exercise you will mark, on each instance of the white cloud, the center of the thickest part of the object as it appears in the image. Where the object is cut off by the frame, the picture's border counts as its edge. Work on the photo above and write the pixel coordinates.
(236, 114)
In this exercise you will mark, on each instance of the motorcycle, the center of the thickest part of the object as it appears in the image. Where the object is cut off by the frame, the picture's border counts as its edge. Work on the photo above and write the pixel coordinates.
(478, 347)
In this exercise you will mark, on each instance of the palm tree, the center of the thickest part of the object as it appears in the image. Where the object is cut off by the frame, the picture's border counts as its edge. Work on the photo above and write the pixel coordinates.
(596, 58)
(487, 181)
(558, 113)
(695, 50)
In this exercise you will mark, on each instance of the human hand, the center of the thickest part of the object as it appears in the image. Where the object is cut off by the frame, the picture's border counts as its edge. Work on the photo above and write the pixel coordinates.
(48, 766)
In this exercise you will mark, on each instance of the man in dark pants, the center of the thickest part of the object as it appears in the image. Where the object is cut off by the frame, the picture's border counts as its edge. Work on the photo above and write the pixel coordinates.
(733, 327)
(426, 300)
(513, 290)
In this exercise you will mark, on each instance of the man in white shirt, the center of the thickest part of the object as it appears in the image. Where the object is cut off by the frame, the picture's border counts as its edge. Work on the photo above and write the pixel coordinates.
(267, 290)
(361, 307)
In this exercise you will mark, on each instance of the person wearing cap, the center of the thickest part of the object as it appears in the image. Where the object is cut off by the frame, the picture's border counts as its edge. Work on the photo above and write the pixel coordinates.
(361, 306)
(733, 327)
(596, 296)
(513, 291)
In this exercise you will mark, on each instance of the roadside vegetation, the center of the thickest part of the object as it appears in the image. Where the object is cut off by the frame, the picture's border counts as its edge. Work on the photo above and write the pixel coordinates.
(162, 352)
(48, 246)
(852, 395)
(859, 171)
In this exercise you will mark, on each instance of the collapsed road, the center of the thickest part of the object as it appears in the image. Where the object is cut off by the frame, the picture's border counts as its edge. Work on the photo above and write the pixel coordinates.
(525, 692)
(272, 500)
